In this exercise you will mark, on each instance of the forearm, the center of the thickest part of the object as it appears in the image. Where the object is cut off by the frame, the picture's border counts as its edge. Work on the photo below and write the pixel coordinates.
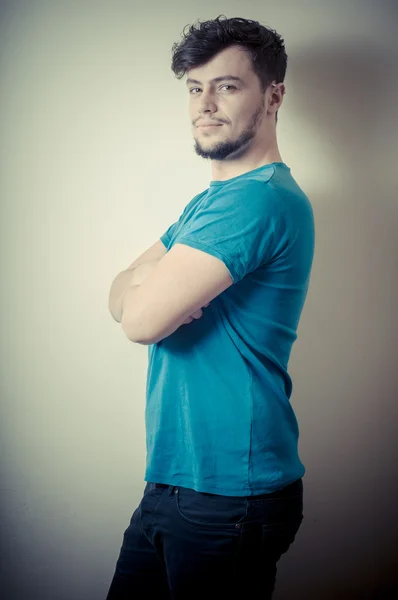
(124, 289)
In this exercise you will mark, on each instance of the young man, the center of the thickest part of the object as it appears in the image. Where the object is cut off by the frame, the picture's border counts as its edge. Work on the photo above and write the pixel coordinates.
(224, 493)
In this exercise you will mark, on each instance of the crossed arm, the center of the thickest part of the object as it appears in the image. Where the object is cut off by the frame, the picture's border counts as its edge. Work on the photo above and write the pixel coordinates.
(161, 291)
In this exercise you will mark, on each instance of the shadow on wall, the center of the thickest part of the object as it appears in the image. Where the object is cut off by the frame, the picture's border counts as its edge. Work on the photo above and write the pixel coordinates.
(350, 93)
(349, 444)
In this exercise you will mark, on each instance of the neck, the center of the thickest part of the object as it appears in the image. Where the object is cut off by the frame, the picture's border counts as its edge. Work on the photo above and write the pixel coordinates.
(262, 150)
(226, 169)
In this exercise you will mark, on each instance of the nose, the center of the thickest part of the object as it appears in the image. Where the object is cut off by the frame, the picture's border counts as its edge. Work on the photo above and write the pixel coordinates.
(206, 104)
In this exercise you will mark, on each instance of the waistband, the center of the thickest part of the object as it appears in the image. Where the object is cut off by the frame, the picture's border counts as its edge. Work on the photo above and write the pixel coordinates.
(285, 491)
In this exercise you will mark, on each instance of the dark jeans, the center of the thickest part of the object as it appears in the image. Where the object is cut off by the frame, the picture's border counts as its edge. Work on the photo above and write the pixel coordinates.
(182, 544)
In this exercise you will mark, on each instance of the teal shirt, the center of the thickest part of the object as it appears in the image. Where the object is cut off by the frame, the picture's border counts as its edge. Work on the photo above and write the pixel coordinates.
(218, 414)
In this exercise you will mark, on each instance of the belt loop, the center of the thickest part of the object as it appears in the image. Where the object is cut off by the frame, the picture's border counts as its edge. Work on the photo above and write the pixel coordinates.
(171, 490)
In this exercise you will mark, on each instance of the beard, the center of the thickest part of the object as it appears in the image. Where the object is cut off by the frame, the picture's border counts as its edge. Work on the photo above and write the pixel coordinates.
(232, 148)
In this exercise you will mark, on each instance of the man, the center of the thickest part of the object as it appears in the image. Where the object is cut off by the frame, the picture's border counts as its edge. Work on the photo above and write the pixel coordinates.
(224, 493)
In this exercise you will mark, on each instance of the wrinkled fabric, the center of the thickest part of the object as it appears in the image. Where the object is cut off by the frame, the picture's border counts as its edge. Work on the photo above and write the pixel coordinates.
(218, 413)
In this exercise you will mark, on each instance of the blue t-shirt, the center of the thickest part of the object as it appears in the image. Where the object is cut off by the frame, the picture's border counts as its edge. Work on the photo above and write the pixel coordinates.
(218, 416)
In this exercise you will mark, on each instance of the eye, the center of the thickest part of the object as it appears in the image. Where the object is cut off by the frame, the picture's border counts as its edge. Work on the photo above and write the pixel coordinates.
(226, 85)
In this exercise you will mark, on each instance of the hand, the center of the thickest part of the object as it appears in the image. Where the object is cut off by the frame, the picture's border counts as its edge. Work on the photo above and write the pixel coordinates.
(195, 315)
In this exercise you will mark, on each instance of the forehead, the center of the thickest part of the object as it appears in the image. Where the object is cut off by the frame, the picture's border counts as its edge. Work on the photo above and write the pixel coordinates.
(231, 61)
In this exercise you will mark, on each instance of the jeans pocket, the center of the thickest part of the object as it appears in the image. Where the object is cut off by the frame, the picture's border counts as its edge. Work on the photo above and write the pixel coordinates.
(276, 511)
(278, 537)
(210, 510)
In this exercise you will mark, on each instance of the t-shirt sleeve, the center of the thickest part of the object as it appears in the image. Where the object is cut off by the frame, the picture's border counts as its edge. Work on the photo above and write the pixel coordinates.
(245, 228)
(168, 234)
(170, 231)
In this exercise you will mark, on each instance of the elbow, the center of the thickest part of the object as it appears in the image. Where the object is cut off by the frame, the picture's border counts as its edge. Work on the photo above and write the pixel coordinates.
(116, 316)
(115, 308)
(129, 330)
(140, 339)
(133, 333)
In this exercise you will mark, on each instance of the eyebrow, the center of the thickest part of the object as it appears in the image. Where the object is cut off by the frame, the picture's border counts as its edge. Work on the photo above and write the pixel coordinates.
(215, 80)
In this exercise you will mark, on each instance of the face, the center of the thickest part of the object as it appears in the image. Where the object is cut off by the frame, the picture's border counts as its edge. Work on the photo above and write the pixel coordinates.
(234, 106)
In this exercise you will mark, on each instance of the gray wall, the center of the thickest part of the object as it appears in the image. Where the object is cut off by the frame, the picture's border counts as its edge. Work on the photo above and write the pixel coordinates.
(97, 161)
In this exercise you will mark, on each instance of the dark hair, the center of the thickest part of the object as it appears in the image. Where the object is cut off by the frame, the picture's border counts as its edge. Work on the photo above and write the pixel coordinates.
(263, 45)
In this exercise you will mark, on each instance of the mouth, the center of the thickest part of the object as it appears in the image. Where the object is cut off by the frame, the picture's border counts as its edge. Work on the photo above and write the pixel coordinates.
(209, 126)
